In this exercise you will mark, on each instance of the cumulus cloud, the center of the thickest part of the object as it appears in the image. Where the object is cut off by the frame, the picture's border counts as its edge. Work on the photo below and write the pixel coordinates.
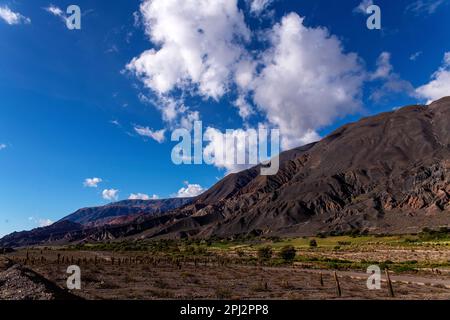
(384, 67)
(41, 222)
(200, 49)
(110, 194)
(190, 190)
(11, 17)
(303, 87)
(197, 45)
(142, 196)
(424, 6)
(439, 85)
(259, 6)
(362, 7)
(158, 136)
(92, 182)
(392, 83)
(245, 108)
(235, 156)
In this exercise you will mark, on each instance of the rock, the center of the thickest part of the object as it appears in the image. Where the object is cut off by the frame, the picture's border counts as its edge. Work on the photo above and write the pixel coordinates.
(19, 283)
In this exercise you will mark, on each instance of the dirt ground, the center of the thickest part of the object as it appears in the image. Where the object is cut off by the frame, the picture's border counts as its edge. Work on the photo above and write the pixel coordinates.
(130, 276)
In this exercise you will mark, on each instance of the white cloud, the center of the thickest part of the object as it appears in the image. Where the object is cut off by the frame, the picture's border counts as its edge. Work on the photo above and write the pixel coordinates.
(362, 7)
(187, 121)
(11, 17)
(226, 156)
(392, 83)
(439, 86)
(424, 6)
(55, 10)
(45, 222)
(41, 222)
(92, 182)
(245, 109)
(2, 146)
(174, 111)
(110, 194)
(200, 50)
(158, 136)
(304, 87)
(258, 6)
(142, 196)
(415, 56)
(197, 45)
(191, 190)
(384, 67)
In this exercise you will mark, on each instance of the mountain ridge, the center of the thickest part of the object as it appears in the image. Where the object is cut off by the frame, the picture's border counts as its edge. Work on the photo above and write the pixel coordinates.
(388, 173)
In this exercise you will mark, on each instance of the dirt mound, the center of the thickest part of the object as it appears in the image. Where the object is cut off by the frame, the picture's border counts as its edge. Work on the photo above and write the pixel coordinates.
(19, 283)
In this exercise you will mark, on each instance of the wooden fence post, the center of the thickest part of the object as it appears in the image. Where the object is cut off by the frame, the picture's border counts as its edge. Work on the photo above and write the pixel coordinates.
(391, 289)
(338, 285)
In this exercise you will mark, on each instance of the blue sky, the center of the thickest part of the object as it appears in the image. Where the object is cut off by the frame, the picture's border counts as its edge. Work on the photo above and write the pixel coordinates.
(72, 101)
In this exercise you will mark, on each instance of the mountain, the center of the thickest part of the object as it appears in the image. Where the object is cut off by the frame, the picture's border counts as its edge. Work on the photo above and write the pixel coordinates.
(93, 223)
(389, 173)
(383, 174)
(124, 211)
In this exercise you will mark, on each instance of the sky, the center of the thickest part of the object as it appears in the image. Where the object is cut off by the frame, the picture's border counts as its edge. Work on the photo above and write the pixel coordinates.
(86, 115)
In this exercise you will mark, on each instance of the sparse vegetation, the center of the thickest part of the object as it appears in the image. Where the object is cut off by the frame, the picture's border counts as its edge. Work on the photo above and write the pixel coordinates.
(288, 253)
(313, 243)
(231, 268)
(265, 253)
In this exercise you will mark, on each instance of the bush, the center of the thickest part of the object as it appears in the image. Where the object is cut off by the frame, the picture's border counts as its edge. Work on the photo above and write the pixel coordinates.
(313, 243)
(265, 253)
(288, 253)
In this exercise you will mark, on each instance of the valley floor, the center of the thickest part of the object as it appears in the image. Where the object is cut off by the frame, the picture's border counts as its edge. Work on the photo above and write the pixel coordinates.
(232, 270)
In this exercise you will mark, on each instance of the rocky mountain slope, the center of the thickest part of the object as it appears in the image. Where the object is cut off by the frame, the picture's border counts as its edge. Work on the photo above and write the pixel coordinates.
(93, 223)
(384, 174)
(123, 211)
(389, 173)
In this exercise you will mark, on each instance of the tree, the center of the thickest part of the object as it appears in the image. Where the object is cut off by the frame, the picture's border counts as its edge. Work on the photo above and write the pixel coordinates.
(313, 243)
(265, 253)
(288, 253)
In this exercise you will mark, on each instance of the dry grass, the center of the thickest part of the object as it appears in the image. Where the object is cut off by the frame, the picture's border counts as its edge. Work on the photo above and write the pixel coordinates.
(160, 278)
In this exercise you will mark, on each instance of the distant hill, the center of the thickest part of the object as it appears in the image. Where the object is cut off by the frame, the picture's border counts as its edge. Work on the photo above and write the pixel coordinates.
(123, 211)
(93, 221)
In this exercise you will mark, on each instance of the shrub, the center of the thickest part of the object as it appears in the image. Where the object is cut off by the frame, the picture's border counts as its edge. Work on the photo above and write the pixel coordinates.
(288, 253)
(240, 253)
(313, 243)
(265, 253)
